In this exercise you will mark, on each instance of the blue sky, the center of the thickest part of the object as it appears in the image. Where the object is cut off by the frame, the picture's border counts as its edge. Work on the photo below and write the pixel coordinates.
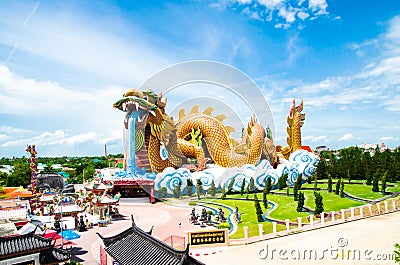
(63, 64)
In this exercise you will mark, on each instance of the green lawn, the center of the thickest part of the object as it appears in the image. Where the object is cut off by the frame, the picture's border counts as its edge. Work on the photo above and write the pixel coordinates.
(285, 206)
(362, 191)
(248, 215)
(332, 202)
(396, 187)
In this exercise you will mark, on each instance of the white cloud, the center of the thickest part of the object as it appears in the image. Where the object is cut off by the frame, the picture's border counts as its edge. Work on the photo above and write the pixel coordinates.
(76, 41)
(271, 4)
(284, 12)
(303, 15)
(318, 5)
(346, 137)
(387, 138)
(311, 138)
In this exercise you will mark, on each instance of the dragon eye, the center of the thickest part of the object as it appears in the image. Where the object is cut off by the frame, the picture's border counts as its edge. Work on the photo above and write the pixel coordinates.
(145, 97)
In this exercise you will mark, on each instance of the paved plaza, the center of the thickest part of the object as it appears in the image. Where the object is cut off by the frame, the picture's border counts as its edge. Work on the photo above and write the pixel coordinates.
(366, 241)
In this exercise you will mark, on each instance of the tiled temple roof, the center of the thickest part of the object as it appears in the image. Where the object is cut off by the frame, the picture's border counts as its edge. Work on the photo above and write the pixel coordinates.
(16, 246)
(54, 256)
(134, 246)
(23, 244)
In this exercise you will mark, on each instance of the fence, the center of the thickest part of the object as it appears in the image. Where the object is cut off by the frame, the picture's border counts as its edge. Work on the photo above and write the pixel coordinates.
(175, 241)
(326, 219)
(11, 214)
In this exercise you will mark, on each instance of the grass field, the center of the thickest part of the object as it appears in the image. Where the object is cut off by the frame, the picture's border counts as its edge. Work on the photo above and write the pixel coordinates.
(363, 191)
(332, 202)
(248, 215)
(285, 206)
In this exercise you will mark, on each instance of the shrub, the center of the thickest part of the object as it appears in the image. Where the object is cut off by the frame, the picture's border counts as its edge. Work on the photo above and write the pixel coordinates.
(329, 183)
(300, 202)
(319, 205)
(199, 188)
(375, 183)
(213, 189)
(251, 186)
(337, 187)
(342, 189)
(177, 191)
(192, 203)
(268, 185)
(162, 192)
(230, 186)
(224, 225)
(189, 187)
(242, 186)
(282, 181)
(259, 211)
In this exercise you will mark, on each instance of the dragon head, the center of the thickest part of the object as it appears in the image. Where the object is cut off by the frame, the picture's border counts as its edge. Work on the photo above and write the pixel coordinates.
(146, 105)
(295, 113)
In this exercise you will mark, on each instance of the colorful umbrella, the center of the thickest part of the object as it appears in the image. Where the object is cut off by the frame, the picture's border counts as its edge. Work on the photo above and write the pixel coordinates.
(69, 234)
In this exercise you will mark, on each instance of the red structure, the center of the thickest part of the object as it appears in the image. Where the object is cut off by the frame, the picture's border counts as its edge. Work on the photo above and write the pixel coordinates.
(31, 149)
(135, 188)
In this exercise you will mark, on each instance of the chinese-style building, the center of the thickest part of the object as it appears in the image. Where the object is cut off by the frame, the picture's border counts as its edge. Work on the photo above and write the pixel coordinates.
(133, 188)
(31, 249)
(135, 246)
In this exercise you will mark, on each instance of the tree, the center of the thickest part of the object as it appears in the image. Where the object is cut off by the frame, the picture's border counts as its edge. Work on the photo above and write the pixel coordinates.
(368, 178)
(319, 205)
(342, 189)
(259, 211)
(265, 201)
(189, 186)
(213, 189)
(383, 183)
(3, 178)
(396, 253)
(230, 185)
(375, 182)
(282, 181)
(329, 183)
(242, 186)
(199, 188)
(300, 202)
(268, 185)
(309, 179)
(20, 175)
(349, 176)
(337, 188)
(296, 187)
(223, 193)
(177, 190)
(321, 170)
(162, 192)
(316, 182)
(251, 185)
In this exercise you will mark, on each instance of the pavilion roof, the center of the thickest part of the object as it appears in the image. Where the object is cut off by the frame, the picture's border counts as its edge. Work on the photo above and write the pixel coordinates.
(134, 246)
(19, 245)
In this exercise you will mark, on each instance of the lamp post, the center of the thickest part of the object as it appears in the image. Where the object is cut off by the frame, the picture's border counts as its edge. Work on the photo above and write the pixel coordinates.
(61, 217)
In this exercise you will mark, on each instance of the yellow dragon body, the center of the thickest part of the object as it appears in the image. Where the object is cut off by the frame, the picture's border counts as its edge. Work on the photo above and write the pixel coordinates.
(295, 121)
(198, 136)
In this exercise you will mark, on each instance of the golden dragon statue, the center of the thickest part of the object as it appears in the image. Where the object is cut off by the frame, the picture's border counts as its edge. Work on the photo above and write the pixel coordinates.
(197, 135)
(295, 121)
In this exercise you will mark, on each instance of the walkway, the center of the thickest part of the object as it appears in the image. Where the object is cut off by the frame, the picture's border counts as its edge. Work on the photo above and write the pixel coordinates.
(370, 240)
